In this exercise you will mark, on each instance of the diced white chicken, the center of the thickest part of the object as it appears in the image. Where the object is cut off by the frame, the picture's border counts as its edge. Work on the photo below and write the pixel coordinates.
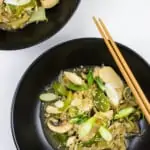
(87, 105)
(76, 102)
(74, 78)
(114, 84)
(59, 104)
(108, 115)
(62, 128)
(70, 141)
(52, 110)
(82, 104)
(49, 3)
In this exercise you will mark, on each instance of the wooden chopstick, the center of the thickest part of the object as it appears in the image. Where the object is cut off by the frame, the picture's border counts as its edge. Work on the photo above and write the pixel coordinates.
(141, 100)
(126, 67)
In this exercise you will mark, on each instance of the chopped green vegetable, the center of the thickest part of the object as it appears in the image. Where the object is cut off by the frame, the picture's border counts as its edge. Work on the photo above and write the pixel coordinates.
(100, 83)
(74, 87)
(79, 119)
(67, 102)
(48, 97)
(101, 101)
(38, 15)
(86, 127)
(105, 133)
(90, 78)
(73, 111)
(124, 112)
(60, 89)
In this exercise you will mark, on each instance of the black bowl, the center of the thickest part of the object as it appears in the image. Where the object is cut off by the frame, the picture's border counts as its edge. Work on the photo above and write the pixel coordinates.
(35, 33)
(25, 115)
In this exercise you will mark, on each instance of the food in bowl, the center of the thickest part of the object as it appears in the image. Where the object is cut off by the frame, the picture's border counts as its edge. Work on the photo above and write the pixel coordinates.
(90, 108)
(16, 14)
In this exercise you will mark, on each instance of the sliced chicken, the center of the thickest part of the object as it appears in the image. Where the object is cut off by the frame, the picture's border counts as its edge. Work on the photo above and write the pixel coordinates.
(114, 84)
(52, 110)
(74, 78)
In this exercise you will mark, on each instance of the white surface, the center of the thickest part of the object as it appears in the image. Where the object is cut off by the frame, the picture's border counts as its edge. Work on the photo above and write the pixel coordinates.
(127, 20)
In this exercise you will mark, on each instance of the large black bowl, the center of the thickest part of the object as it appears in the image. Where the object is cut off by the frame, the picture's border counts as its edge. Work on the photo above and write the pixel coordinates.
(35, 33)
(25, 115)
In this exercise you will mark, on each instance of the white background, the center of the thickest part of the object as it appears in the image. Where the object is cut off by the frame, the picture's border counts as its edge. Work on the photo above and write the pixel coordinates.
(127, 20)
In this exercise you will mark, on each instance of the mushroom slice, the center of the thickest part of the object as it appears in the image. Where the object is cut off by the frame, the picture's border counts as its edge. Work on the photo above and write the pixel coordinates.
(62, 128)
(74, 78)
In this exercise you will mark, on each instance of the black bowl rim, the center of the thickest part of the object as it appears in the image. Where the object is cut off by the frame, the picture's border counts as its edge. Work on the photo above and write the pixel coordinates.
(21, 47)
(38, 59)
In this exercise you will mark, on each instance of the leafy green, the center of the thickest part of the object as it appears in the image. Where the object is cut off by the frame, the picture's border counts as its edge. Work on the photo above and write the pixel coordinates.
(79, 119)
(67, 101)
(59, 89)
(72, 111)
(74, 87)
(90, 78)
(38, 15)
(100, 83)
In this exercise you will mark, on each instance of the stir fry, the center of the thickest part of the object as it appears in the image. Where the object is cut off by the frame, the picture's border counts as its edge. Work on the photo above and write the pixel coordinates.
(16, 14)
(91, 108)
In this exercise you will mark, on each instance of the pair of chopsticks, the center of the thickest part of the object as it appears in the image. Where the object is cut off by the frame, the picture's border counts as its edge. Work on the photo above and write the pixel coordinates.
(124, 69)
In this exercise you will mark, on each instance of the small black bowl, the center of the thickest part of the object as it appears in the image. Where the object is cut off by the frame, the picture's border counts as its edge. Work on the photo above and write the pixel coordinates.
(25, 114)
(36, 33)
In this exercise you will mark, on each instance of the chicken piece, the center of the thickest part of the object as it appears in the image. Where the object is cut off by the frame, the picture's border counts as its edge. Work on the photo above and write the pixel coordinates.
(52, 110)
(84, 104)
(105, 115)
(108, 75)
(49, 3)
(74, 78)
